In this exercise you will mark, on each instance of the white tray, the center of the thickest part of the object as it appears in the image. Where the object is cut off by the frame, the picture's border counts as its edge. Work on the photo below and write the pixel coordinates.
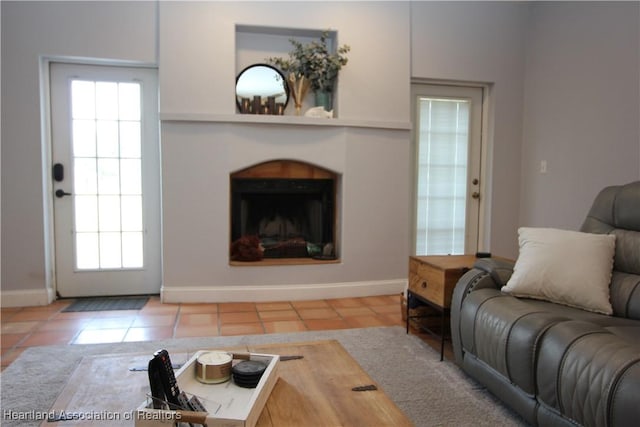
(227, 404)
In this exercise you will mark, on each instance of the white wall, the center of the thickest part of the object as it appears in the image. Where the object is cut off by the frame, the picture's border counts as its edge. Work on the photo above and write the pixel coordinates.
(122, 31)
(565, 84)
(197, 72)
(576, 53)
(198, 57)
(482, 42)
(373, 238)
(198, 65)
(582, 108)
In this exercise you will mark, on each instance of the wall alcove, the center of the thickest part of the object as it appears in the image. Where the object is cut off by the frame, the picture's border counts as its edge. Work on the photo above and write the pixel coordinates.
(290, 206)
(255, 43)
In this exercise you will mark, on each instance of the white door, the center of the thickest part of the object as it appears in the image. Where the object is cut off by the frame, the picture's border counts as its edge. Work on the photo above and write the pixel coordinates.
(447, 134)
(106, 180)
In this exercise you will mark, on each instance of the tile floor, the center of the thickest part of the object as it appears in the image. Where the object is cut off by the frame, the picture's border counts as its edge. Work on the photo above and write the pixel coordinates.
(38, 326)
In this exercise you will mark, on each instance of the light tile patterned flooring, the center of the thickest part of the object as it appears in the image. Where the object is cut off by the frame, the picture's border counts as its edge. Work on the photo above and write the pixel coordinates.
(39, 326)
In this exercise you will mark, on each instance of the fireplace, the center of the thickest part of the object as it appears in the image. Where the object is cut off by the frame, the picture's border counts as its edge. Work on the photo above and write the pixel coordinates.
(283, 209)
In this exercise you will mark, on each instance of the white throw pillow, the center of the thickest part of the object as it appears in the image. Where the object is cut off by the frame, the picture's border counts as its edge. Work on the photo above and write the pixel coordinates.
(565, 267)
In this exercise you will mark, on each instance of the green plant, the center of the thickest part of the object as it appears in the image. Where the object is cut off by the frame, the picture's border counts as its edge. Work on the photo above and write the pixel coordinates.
(314, 61)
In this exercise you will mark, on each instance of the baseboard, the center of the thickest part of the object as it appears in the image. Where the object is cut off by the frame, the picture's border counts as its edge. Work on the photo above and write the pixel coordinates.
(270, 293)
(27, 298)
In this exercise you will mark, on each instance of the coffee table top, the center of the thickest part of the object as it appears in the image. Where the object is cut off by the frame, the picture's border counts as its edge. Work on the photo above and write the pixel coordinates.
(314, 391)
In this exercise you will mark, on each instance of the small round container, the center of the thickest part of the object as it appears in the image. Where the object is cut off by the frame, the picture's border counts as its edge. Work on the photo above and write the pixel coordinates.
(213, 367)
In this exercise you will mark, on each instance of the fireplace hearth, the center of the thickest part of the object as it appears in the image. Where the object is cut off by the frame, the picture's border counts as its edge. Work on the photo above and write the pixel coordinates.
(288, 206)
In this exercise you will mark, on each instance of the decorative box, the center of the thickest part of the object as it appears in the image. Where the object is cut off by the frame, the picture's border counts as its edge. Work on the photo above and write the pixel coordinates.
(227, 404)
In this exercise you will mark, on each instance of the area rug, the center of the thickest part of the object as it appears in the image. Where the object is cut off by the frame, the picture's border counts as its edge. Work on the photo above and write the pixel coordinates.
(429, 392)
(107, 303)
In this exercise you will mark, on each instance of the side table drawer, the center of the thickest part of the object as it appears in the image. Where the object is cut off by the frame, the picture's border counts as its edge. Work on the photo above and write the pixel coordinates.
(428, 282)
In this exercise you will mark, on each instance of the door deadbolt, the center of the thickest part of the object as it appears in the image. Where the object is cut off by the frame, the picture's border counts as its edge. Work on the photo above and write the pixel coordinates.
(58, 172)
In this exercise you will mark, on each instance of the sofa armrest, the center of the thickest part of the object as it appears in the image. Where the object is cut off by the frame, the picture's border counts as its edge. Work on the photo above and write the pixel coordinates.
(486, 273)
(500, 270)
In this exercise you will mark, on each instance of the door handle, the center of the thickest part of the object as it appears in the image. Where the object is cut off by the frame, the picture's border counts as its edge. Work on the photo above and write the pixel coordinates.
(61, 193)
(475, 195)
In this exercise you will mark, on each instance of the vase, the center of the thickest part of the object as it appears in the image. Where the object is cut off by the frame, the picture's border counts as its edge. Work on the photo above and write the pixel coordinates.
(298, 86)
(324, 99)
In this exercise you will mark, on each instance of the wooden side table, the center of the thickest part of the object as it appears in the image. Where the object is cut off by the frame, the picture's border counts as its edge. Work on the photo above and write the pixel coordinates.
(431, 281)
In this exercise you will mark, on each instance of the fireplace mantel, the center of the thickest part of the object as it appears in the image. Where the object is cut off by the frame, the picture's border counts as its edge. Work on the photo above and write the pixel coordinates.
(281, 120)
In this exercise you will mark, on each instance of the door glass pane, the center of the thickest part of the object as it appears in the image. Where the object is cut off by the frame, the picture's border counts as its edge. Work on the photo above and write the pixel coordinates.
(131, 176)
(83, 100)
(132, 250)
(87, 253)
(86, 214)
(106, 101)
(109, 213)
(128, 101)
(131, 213)
(443, 138)
(84, 138)
(130, 143)
(85, 180)
(107, 138)
(108, 176)
(108, 217)
(110, 250)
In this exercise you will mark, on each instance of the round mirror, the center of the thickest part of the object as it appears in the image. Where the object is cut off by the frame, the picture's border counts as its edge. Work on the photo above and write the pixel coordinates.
(261, 89)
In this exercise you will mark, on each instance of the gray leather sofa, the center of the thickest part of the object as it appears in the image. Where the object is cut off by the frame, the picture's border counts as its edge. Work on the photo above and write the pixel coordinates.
(556, 365)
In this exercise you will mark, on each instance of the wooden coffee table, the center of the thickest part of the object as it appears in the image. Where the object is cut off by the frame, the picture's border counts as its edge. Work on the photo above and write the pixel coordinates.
(313, 391)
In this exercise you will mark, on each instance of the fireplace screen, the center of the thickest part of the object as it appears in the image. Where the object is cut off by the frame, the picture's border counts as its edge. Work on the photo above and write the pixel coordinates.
(287, 218)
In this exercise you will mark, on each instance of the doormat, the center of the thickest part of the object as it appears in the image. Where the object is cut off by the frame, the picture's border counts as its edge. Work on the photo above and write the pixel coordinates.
(110, 303)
